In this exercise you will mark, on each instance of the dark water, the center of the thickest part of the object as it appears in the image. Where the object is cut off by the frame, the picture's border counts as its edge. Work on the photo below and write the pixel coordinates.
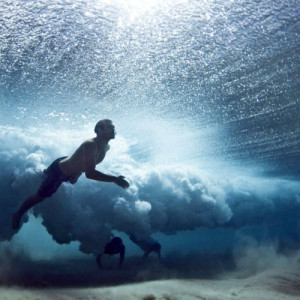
(205, 98)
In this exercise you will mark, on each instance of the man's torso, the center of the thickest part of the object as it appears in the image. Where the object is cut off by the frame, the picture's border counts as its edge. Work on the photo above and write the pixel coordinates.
(76, 164)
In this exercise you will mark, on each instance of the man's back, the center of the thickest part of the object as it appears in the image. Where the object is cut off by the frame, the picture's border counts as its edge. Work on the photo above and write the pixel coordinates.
(144, 244)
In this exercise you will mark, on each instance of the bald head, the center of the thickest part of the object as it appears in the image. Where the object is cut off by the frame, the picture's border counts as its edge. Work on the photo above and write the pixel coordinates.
(102, 124)
(105, 128)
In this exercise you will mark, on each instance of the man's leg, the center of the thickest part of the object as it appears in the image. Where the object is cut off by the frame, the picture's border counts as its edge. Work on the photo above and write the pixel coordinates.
(27, 204)
(47, 188)
(98, 260)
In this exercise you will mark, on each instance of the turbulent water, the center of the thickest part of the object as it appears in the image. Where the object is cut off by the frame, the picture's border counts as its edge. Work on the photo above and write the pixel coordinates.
(205, 99)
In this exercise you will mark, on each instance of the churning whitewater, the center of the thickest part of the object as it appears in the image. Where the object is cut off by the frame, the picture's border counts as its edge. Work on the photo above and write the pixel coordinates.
(205, 99)
(161, 198)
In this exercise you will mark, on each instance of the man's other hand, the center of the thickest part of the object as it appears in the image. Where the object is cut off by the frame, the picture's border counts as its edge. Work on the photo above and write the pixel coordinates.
(120, 181)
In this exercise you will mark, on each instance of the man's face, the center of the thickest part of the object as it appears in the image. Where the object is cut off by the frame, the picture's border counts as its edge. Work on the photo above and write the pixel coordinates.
(109, 130)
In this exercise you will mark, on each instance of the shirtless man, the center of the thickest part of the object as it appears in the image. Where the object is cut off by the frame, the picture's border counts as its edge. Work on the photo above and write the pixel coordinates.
(69, 168)
(148, 245)
(114, 246)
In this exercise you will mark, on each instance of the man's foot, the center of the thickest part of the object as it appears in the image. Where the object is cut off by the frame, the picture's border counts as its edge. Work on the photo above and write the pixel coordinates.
(15, 221)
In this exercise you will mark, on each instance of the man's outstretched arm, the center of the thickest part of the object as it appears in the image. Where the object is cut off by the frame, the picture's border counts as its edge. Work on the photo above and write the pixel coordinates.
(99, 176)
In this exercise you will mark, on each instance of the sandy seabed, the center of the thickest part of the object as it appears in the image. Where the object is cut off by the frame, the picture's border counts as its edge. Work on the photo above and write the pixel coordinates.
(151, 281)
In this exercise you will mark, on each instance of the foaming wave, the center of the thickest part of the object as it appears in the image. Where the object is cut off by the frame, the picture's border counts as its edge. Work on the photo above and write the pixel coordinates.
(166, 199)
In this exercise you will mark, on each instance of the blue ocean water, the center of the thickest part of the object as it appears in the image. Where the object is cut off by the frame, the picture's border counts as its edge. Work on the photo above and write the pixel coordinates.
(205, 99)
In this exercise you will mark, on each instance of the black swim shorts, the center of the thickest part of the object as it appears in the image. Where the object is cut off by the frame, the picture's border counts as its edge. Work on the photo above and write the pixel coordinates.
(53, 180)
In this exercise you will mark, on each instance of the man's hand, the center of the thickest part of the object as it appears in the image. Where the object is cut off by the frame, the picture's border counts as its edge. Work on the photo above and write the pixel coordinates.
(120, 181)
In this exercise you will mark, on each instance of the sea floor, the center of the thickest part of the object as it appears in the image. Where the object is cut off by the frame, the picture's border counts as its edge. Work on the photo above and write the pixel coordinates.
(147, 280)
